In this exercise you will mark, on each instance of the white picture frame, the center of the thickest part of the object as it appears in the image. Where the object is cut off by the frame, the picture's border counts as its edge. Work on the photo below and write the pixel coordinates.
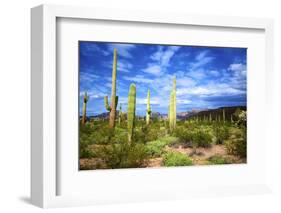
(44, 149)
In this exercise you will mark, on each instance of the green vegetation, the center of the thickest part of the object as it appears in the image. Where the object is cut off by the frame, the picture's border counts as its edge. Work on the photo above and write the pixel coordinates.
(150, 140)
(221, 133)
(123, 155)
(191, 140)
(176, 159)
(157, 148)
(194, 136)
(218, 159)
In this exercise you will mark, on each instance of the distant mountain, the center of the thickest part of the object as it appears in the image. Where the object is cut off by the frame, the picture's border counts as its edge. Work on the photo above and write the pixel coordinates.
(205, 113)
(198, 113)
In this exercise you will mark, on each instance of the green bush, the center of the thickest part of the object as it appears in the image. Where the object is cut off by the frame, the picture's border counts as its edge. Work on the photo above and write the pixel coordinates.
(237, 143)
(201, 138)
(156, 148)
(124, 155)
(221, 133)
(184, 135)
(84, 150)
(85, 141)
(218, 159)
(176, 159)
(145, 133)
(194, 137)
(240, 117)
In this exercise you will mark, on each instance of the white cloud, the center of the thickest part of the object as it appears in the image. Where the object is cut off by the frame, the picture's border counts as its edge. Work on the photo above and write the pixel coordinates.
(122, 49)
(200, 60)
(153, 69)
(185, 81)
(92, 94)
(143, 101)
(238, 69)
(87, 77)
(124, 66)
(183, 101)
(109, 84)
(196, 74)
(161, 59)
(211, 89)
(162, 56)
(138, 79)
(214, 73)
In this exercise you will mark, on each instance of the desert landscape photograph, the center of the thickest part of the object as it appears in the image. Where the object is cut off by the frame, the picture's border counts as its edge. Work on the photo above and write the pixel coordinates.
(156, 105)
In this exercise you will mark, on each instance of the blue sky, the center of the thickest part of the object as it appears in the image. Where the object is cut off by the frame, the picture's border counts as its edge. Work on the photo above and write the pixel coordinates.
(207, 77)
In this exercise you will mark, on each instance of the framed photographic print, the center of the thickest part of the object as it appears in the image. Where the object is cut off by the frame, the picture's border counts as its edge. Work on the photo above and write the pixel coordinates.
(149, 106)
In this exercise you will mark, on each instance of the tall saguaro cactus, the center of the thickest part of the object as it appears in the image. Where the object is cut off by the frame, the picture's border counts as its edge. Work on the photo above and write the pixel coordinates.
(223, 115)
(114, 98)
(131, 111)
(84, 110)
(148, 109)
(173, 107)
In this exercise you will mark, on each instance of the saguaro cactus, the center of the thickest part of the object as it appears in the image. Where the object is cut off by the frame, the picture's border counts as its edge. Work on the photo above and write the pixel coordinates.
(114, 98)
(173, 107)
(223, 115)
(131, 111)
(84, 110)
(148, 109)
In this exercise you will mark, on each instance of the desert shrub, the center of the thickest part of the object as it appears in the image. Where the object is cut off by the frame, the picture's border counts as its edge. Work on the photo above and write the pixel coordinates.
(218, 159)
(141, 134)
(156, 148)
(145, 133)
(85, 141)
(176, 159)
(240, 117)
(201, 138)
(237, 143)
(198, 137)
(124, 155)
(221, 133)
(84, 150)
(184, 135)
(102, 135)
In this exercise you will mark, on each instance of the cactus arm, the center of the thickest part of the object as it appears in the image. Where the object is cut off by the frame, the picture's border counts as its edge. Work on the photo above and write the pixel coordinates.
(131, 111)
(108, 108)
